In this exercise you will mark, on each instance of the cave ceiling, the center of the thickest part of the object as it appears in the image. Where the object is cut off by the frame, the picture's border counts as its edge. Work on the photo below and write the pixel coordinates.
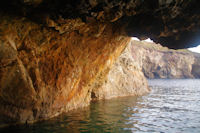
(173, 23)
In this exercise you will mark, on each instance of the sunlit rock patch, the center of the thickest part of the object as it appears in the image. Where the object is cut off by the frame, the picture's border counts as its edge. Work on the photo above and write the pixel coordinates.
(44, 72)
(124, 79)
(160, 62)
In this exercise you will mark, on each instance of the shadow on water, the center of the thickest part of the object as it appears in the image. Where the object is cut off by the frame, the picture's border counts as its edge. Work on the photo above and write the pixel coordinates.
(101, 116)
(172, 106)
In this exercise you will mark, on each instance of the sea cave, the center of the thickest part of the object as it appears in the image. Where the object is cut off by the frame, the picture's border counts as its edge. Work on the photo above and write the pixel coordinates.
(64, 56)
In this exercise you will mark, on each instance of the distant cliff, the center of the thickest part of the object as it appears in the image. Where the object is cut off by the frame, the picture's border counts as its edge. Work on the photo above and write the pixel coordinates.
(160, 62)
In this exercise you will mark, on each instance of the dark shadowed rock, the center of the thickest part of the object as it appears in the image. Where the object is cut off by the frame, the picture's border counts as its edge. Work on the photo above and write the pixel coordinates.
(173, 23)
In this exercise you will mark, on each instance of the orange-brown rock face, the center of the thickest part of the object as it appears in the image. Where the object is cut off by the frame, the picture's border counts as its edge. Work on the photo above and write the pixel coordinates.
(125, 78)
(44, 72)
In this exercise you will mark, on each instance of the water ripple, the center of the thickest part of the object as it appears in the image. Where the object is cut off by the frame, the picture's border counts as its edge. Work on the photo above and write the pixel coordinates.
(173, 106)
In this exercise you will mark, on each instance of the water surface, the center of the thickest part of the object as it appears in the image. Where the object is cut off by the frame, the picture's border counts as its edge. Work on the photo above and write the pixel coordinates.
(172, 106)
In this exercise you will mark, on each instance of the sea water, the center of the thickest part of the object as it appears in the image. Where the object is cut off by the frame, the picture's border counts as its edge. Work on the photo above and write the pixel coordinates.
(173, 106)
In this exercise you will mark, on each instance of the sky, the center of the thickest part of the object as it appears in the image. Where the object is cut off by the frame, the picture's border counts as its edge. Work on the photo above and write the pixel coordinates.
(194, 49)
(147, 40)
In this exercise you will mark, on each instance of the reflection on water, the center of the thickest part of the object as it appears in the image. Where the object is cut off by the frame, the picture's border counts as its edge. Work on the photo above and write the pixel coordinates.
(172, 106)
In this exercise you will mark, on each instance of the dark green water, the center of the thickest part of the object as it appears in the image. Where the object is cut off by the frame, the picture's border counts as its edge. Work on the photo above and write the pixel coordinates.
(173, 106)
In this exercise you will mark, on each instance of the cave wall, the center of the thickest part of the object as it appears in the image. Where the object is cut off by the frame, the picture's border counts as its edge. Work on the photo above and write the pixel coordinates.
(53, 52)
(125, 78)
(44, 72)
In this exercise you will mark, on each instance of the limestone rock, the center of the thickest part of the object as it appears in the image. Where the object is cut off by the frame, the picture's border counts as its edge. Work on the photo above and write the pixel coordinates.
(44, 72)
(160, 62)
(125, 78)
(196, 66)
(53, 52)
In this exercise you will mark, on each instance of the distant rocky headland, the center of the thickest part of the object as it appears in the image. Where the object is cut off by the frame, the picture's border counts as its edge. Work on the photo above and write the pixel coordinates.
(160, 62)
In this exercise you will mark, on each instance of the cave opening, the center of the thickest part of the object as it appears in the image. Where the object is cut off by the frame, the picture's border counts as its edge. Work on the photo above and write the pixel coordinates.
(58, 56)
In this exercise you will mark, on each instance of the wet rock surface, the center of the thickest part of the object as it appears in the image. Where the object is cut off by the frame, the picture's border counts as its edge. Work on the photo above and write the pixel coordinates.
(160, 62)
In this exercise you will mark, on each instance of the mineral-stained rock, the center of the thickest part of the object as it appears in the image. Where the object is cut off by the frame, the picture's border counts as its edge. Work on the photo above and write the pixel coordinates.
(160, 62)
(124, 79)
(44, 72)
(53, 52)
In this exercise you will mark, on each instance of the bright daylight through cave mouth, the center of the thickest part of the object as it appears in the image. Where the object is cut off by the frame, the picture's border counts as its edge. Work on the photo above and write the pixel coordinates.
(77, 66)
